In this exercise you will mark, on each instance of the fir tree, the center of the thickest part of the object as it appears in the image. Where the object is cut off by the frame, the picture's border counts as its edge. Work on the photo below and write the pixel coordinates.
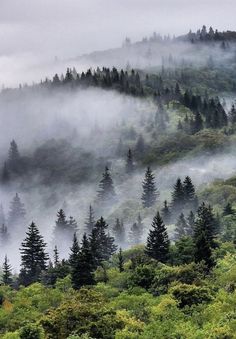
(228, 210)
(129, 162)
(189, 193)
(33, 256)
(13, 155)
(4, 236)
(6, 272)
(90, 222)
(55, 256)
(157, 246)
(165, 213)
(106, 192)
(140, 145)
(64, 229)
(190, 224)
(2, 216)
(17, 213)
(120, 261)
(135, 234)
(203, 251)
(178, 197)
(119, 231)
(180, 227)
(74, 251)
(149, 195)
(82, 273)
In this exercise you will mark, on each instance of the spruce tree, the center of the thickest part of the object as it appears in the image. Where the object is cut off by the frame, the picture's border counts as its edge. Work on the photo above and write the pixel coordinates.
(158, 243)
(205, 223)
(178, 197)
(140, 145)
(135, 234)
(90, 222)
(82, 273)
(120, 261)
(119, 231)
(180, 227)
(228, 210)
(149, 195)
(190, 224)
(189, 193)
(13, 155)
(106, 192)
(165, 213)
(33, 256)
(4, 236)
(64, 229)
(55, 256)
(74, 251)
(129, 162)
(16, 217)
(6, 272)
(203, 250)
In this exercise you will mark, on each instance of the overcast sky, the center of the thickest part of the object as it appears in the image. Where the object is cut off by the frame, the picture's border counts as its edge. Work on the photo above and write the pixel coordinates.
(36, 30)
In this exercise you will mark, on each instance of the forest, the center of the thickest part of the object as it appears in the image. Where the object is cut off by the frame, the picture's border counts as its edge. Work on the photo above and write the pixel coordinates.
(118, 195)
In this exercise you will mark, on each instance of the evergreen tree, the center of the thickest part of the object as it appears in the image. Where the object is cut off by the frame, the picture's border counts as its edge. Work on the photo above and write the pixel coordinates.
(102, 244)
(82, 273)
(6, 272)
(64, 229)
(16, 217)
(203, 251)
(129, 162)
(178, 197)
(90, 222)
(228, 210)
(165, 213)
(33, 256)
(157, 246)
(119, 231)
(5, 174)
(140, 145)
(72, 223)
(2, 216)
(56, 256)
(74, 252)
(4, 236)
(13, 155)
(106, 192)
(190, 224)
(180, 227)
(135, 234)
(120, 261)
(149, 195)
(190, 197)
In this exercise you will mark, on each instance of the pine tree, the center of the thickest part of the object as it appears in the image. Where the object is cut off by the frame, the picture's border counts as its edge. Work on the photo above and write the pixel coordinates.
(189, 193)
(74, 251)
(106, 192)
(228, 210)
(4, 236)
(178, 197)
(17, 213)
(165, 213)
(180, 227)
(129, 162)
(135, 234)
(13, 155)
(119, 231)
(120, 261)
(56, 256)
(149, 195)
(82, 273)
(157, 246)
(140, 145)
(72, 224)
(102, 244)
(90, 222)
(6, 272)
(33, 256)
(203, 251)
(5, 174)
(190, 224)
(2, 216)
(64, 229)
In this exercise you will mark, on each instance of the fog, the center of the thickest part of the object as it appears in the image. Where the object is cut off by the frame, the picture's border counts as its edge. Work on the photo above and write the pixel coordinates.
(40, 37)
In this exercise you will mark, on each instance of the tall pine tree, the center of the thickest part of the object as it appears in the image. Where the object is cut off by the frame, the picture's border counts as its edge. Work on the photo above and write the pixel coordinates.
(129, 162)
(150, 194)
(90, 221)
(16, 217)
(119, 231)
(106, 191)
(6, 272)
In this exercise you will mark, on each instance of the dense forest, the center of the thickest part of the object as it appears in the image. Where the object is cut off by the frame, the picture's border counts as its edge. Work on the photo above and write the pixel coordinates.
(118, 195)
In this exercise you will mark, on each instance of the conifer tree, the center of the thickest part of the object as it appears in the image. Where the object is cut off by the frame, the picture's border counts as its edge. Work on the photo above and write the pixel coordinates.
(4, 236)
(64, 229)
(17, 213)
(102, 244)
(120, 261)
(129, 162)
(140, 145)
(149, 195)
(135, 234)
(5, 174)
(165, 213)
(6, 272)
(203, 250)
(178, 197)
(55, 256)
(180, 227)
(106, 192)
(82, 273)
(13, 155)
(119, 231)
(74, 251)
(158, 243)
(190, 224)
(228, 210)
(90, 222)
(189, 193)
(33, 256)
(2, 216)
(205, 223)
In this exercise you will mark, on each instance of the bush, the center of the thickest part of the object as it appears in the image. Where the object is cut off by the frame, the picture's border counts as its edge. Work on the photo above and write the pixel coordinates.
(188, 295)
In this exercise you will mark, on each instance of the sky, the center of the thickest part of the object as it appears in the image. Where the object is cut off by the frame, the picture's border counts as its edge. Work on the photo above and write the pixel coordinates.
(33, 33)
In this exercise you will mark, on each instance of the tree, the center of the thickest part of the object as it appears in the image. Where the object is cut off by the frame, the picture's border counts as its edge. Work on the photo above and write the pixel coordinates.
(6, 272)
(158, 243)
(119, 231)
(189, 193)
(17, 213)
(90, 222)
(180, 227)
(102, 244)
(228, 210)
(140, 145)
(5, 174)
(178, 196)
(56, 256)
(129, 162)
(203, 251)
(82, 273)
(206, 223)
(149, 195)
(13, 155)
(33, 256)
(135, 234)
(190, 224)
(4, 236)
(106, 192)
(64, 229)
(74, 251)
(165, 213)
(2, 216)
(120, 261)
